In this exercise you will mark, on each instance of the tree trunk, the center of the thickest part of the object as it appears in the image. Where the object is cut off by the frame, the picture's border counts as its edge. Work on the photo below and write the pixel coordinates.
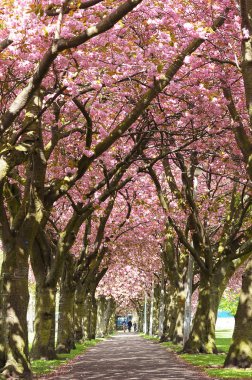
(161, 312)
(90, 317)
(202, 336)
(156, 309)
(2, 328)
(177, 335)
(43, 346)
(79, 313)
(240, 351)
(65, 341)
(111, 323)
(15, 304)
(171, 313)
(140, 314)
(105, 312)
(151, 310)
(93, 318)
(2, 338)
(102, 317)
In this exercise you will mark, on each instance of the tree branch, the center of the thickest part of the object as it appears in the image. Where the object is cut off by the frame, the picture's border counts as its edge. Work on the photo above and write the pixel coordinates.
(51, 54)
(187, 245)
(52, 9)
(5, 43)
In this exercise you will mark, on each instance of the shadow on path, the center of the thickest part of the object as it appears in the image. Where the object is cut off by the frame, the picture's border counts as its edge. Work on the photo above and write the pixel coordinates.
(127, 357)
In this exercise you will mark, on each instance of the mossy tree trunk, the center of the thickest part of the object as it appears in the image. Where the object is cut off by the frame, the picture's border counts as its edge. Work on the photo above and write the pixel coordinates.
(90, 317)
(21, 214)
(92, 279)
(43, 346)
(15, 304)
(240, 351)
(79, 300)
(105, 312)
(93, 316)
(111, 324)
(86, 317)
(65, 341)
(139, 309)
(174, 267)
(156, 308)
(211, 288)
(171, 314)
(177, 334)
(109, 317)
(164, 323)
(2, 328)
(102, 305)
(162, 306)
(202, 336)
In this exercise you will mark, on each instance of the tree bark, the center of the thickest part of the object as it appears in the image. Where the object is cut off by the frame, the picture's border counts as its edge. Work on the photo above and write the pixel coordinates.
(211, 288)
(166, 313)
(178, 332)
(43, 346)
(156, 308)
(93, 317)
(202, 336)
(171, 313)
(111, 325)
(240, 351)
(65, 341)
(15, 304)
(90, 317)
(79, 301)
(102, 317)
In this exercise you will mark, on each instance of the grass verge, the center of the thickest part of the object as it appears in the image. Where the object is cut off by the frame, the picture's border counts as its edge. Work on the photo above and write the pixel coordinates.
(43, 367)
(212, 364)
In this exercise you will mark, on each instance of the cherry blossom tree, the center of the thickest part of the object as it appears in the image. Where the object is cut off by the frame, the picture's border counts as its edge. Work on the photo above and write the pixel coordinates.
(77, 80)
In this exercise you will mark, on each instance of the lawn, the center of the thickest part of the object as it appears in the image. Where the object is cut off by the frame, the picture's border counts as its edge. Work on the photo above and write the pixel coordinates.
(42, 367)
(212, 364)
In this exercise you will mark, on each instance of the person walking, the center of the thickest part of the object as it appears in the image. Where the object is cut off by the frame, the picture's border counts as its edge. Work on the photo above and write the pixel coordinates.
(124, 326)
(129, 325)
(135, 327)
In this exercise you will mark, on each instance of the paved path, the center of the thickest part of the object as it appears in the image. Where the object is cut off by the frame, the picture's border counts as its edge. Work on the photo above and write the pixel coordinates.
(128, 357)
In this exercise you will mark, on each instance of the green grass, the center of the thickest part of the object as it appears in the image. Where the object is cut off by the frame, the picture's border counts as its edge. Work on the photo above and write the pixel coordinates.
(212, 364)
(42, 367)
(149, 337)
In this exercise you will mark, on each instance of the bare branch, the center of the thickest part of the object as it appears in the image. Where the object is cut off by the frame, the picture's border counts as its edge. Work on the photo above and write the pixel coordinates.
(86, 114)
(187, 245)
(5, 43)
(52, 10)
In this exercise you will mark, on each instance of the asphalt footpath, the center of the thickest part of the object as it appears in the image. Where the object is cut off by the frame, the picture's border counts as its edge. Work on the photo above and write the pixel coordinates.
(126, 356)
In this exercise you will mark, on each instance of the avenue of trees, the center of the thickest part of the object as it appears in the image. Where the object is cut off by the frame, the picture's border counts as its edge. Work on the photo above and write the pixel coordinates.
(125, 170)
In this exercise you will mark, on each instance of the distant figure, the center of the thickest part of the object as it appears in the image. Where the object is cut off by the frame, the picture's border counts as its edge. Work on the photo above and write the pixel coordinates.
(124, 326)
(129, 325)
(135, 326)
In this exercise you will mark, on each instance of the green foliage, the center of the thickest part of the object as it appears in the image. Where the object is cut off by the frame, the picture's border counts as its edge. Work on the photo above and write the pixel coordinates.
(230, 302)
(41, 367)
